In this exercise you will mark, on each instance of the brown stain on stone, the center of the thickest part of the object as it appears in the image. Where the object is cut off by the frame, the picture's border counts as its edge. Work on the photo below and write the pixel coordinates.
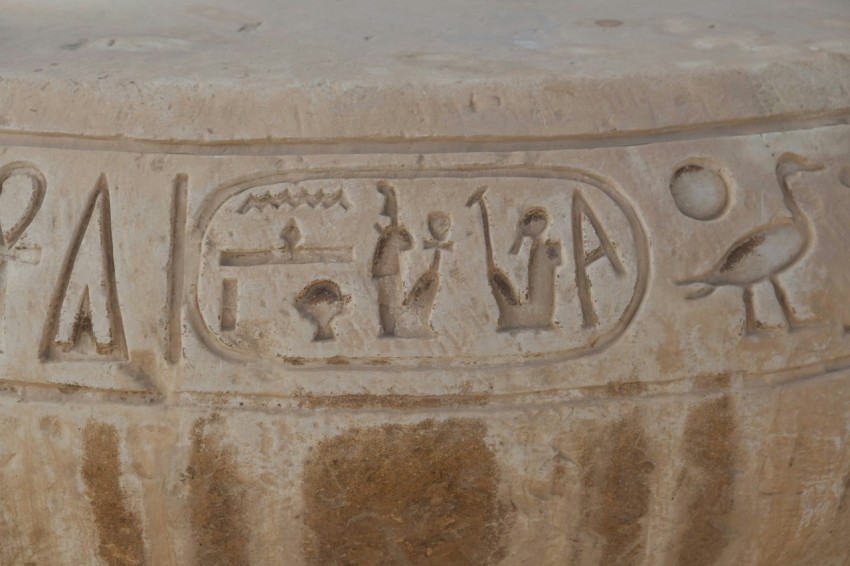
(709, 454)
(713, 382)
(845, 490)
(625, 388)
(405, 494)
(669, 355)
(323, 291)
(840, 525)
(216, 498)
(120, 541)
(746, 247)
(392, 401)
(616, 489)
(50, 426)
(559, 477)
(504, 285)
(14, 544)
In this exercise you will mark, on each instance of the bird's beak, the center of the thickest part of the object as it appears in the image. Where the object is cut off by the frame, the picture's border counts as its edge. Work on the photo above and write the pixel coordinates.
(791, 163)
(806, 165)
(813, 166)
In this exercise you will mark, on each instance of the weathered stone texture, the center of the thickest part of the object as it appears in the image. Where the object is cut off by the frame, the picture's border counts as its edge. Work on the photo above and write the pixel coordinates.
(433, 283)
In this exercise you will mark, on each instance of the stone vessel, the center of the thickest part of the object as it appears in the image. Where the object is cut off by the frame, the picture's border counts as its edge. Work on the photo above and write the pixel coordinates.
(447, 282)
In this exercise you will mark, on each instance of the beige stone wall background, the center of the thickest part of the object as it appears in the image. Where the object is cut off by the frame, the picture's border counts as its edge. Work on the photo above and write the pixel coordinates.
(689, 438)
(445, 282)
(728, 475)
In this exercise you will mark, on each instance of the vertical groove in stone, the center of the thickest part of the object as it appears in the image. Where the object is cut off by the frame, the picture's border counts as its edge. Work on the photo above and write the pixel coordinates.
(174, 342)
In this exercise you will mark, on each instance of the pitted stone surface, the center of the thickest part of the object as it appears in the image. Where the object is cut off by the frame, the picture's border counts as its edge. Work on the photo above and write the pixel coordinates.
(435, 283)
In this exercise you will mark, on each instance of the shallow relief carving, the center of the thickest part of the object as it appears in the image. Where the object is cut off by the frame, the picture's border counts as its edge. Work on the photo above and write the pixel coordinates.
(83, 320)
(66, 290)
(368, 267)
(765, 252)
(84, 316)
(22, 190)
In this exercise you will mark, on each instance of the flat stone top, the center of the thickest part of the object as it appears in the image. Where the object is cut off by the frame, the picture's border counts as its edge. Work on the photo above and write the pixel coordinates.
(318, 70)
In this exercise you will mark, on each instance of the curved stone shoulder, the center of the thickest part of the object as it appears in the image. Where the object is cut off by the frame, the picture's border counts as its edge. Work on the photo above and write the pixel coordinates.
(524, 276)
(266, 76)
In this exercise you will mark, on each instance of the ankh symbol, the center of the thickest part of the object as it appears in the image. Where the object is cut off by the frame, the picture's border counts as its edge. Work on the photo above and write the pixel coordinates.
(439, 224)
(9, 238)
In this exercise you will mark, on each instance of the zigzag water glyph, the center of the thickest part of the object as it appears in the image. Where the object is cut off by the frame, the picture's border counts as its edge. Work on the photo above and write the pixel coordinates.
(295, 199)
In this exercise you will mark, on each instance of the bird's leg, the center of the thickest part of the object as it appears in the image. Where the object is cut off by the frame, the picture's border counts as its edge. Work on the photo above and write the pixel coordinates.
(791, 317)
(752, 324)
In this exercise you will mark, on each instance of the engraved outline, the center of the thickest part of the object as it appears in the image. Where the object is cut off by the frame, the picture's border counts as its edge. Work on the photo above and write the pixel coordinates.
(278, 146)
(118, 345)
(415, 403)
(9, 242)
(224, 192)
(36, 198)
(718, 169)
(174, 274)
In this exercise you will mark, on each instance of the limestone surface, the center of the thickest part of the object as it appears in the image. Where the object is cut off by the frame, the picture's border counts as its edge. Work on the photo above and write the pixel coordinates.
(447, 282)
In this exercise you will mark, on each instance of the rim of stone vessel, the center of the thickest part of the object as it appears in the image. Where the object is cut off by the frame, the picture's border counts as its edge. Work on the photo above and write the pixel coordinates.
(253, 82)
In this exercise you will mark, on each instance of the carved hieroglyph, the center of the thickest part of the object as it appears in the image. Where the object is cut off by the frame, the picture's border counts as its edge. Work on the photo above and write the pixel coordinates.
(312, 268)
(256, 292)
(76, 326)
(443, 282)
(767, 251)
(25, 200)
(406, 279)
